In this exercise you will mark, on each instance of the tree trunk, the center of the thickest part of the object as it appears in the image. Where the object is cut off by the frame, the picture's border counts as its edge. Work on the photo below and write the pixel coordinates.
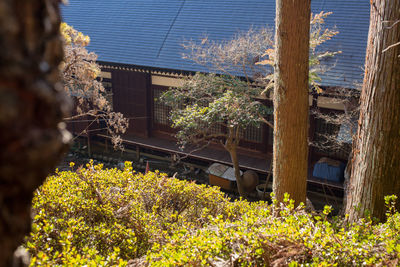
(31, 108)
(231, 145)
(376, 163)
(290, 150)
(235, 163)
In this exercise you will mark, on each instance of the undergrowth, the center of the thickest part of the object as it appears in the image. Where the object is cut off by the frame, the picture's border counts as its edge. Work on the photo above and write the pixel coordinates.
(107, 217)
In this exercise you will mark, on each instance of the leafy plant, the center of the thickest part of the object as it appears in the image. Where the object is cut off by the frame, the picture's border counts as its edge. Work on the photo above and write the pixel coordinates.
(211, 108)
(108, 217)
(105, 216)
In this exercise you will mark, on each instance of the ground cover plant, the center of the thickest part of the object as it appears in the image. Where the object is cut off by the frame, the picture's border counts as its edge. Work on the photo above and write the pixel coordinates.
(107, 217)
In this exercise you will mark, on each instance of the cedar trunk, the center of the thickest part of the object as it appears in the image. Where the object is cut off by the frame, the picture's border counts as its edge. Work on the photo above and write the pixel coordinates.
(376, 164)
(31, 108)
(290, 150)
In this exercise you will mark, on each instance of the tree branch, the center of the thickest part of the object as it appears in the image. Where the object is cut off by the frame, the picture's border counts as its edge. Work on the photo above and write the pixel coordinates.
(390, 46)
(266, 122)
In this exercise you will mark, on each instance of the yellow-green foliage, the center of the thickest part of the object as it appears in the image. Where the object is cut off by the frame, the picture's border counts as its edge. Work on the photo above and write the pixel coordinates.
(274, 235)
(99, 217)
(109, 215)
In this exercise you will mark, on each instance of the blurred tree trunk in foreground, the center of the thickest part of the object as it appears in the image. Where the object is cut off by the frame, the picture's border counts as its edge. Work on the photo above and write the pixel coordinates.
(32, 105)
(376, 163)
(290, 157)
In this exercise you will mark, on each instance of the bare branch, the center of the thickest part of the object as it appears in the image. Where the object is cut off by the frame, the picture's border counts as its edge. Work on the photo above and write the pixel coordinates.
(391, 26)
(79, 74)
(390, 46)
(266, 122)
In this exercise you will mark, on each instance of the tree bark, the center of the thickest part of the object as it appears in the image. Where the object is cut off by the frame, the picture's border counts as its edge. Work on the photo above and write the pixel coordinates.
(31, 107)
(376, 158)
(290, 150)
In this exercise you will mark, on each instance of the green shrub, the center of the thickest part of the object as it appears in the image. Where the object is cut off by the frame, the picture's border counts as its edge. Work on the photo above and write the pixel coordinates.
(105, 217)
(108, 215)
(272, 235)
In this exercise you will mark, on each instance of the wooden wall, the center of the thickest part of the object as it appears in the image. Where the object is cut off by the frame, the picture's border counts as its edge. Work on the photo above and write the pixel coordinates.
(134, 93)
(131, 96)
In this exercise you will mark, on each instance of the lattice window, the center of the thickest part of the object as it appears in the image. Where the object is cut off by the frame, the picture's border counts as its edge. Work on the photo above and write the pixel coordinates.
(161, 111)
(325, 140)
(214, 129)
(107, 84)
(253, 133)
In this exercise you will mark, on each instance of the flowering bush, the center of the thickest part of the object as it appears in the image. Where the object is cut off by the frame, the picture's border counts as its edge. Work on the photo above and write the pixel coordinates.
(104, 217)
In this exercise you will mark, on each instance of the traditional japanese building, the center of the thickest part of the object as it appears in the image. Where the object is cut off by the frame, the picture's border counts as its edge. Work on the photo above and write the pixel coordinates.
(139, 47)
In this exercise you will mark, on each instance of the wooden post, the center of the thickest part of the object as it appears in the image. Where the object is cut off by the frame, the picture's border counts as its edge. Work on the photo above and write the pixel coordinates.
(89, 145)
(137, 153)
(106, 145)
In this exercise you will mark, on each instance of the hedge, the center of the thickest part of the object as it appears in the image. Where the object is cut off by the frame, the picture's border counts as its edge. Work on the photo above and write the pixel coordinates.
(109, 217)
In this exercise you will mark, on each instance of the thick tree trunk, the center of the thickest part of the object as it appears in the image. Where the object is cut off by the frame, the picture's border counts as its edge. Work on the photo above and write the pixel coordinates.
(31, 108)
(291, 99)
(376, 163)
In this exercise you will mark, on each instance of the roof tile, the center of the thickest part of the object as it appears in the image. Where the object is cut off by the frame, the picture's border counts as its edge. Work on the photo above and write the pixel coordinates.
(150, 32)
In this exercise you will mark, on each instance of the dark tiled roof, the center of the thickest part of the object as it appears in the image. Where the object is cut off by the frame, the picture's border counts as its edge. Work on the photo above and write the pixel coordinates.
(150, 32)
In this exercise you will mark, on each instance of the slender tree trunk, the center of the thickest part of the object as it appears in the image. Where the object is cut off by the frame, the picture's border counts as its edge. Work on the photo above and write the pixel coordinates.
(31, 108)
(376, 158)
(235, 163)
(291, 99)
(231, 145)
